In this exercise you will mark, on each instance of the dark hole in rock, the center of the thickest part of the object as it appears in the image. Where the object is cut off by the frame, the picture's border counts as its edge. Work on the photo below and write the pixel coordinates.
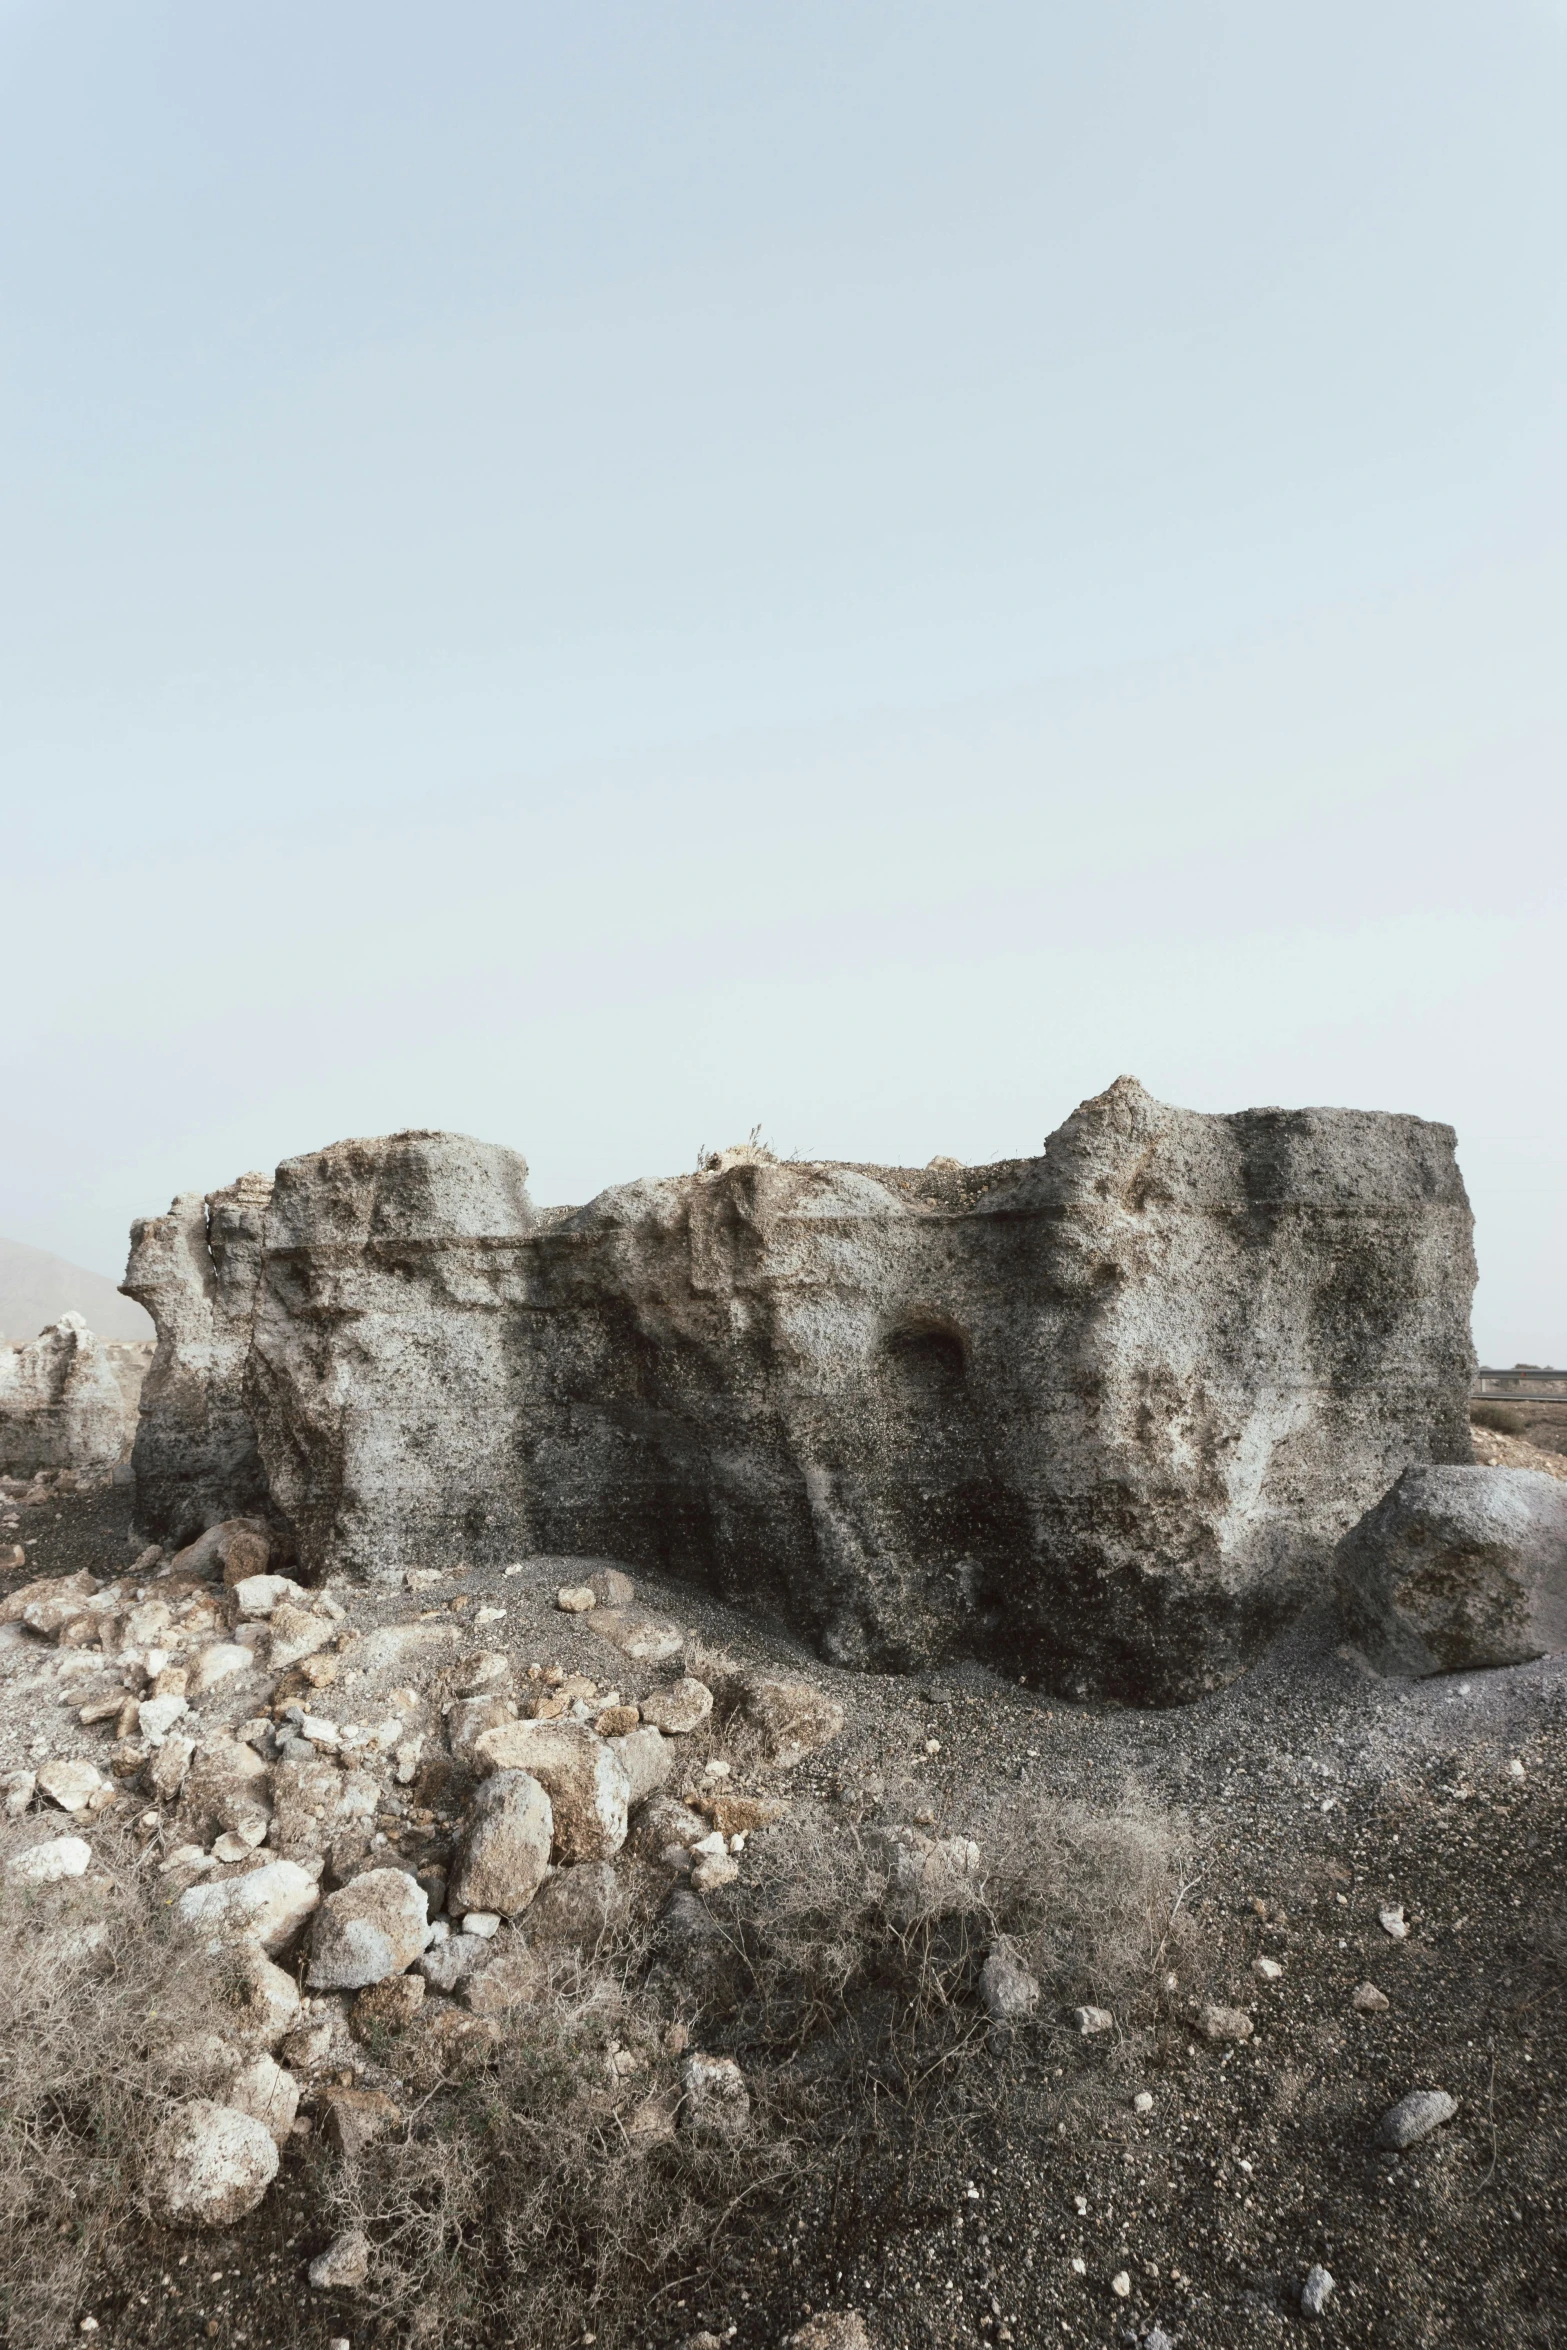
(931, 1359)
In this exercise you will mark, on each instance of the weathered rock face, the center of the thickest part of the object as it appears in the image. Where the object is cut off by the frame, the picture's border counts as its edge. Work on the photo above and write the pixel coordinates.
(195, 1270)
(1100, 1416)
(1456, 1570)
(68, 1399)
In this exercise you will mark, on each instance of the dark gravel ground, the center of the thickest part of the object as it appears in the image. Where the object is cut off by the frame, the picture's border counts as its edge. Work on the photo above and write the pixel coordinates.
(1306, 1799)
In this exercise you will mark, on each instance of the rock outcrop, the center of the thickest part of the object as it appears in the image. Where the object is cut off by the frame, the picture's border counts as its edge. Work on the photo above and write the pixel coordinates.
(1098, 1416)
(1458, 1569)
(68, 1399)
(195, 1270)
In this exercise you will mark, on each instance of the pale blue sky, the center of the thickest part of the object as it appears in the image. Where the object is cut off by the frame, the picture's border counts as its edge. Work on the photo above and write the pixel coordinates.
(603, 576)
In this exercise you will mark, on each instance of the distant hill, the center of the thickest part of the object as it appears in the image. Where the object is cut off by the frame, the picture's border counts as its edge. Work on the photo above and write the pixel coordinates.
(36, 1289)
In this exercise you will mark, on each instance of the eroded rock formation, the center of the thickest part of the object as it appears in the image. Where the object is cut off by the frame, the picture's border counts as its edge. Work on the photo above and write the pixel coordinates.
(195, 1270)
(68, 1399)
(1099, 1416)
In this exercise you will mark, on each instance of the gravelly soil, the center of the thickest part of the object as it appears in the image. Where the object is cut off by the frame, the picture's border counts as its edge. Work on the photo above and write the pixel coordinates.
(1308, 1798)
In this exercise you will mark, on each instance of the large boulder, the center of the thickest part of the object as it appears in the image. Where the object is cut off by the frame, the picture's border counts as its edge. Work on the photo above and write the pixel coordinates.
(504, 1849)
(68, 1400)
(1098, 1417)
(1458, 1569)
(209, 2165)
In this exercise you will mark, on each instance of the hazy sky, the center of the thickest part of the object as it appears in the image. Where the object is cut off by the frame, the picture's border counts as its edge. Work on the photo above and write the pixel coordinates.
(604, 575)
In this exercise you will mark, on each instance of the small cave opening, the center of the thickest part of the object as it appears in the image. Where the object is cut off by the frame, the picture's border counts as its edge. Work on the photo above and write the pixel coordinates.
(930, 1357)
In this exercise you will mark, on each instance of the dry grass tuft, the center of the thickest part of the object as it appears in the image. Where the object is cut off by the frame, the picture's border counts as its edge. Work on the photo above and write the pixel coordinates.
(94, 1993)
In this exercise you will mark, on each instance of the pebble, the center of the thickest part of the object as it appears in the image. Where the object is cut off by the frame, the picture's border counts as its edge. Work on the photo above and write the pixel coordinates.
(1515, 1769)
(1315, 2291)
(1268, 1969)
(1121, 2285)
(1369, 1999)
(1415, 2116)
(1224, 2023)
(483, 1922)
(1143, 2101)
(1394, 1923)
(344, 2263)
(575, 1599)
(1093, 2019)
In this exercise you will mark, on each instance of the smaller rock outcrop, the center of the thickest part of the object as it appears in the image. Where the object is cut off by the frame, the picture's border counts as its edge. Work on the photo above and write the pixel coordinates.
(68, 1400)
(1456, 1570)
(374, 1927)
(505, 1847)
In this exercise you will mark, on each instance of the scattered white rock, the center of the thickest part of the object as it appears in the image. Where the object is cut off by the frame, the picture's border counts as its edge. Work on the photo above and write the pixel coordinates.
(504, 1850)
(1315, 2291)
(69, 1785)
(47, 1864)
(648, 1760)
(1224, 2023)
(1093, 2019)
(269, 2094)
(679, 1708)
(1143, 2101)
(584, 1779)
(1394, 1923)
(158, 1716)
(373, 1927)
(713, 1870)
(716, 2102)
(1121, 2285)
(1415, 2116)
(267, 1907)
(575, 1599)
(344, 2264)
(209, 2165)
(831, 2329)
(1369, 2000)
(1267, 1969)
(218, 1663)
(18, 1789)
(1008, 1990)
(484, 1922)
(255, 1596)
(265, 1999)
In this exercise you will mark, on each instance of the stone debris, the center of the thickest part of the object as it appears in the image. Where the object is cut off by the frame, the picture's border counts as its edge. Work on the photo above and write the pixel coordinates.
(1008, 1991)
(1369, 2000)
(584, 1779)
(374, 1927)
(70, 1786)
(1458, 1570)
(578, 1906)
(575, 1599)
(1121, 2285)
(352, 2119)
(18, 1789)
(1143, 2101)
(1315, 2292)
(1267, 1970)
(647, 1758)
(265, 1999)
(208, 2165)
(1394, 1923)
(267, 2092)
(49, 1864)
(794, 1720)
(646, 1640)
(679, 1707)
(344, 2264)
(831, 2329)
(1090, 2020)
(1224, 2023)
(268, 1907)
(715, 2100)
(1415, 2116)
